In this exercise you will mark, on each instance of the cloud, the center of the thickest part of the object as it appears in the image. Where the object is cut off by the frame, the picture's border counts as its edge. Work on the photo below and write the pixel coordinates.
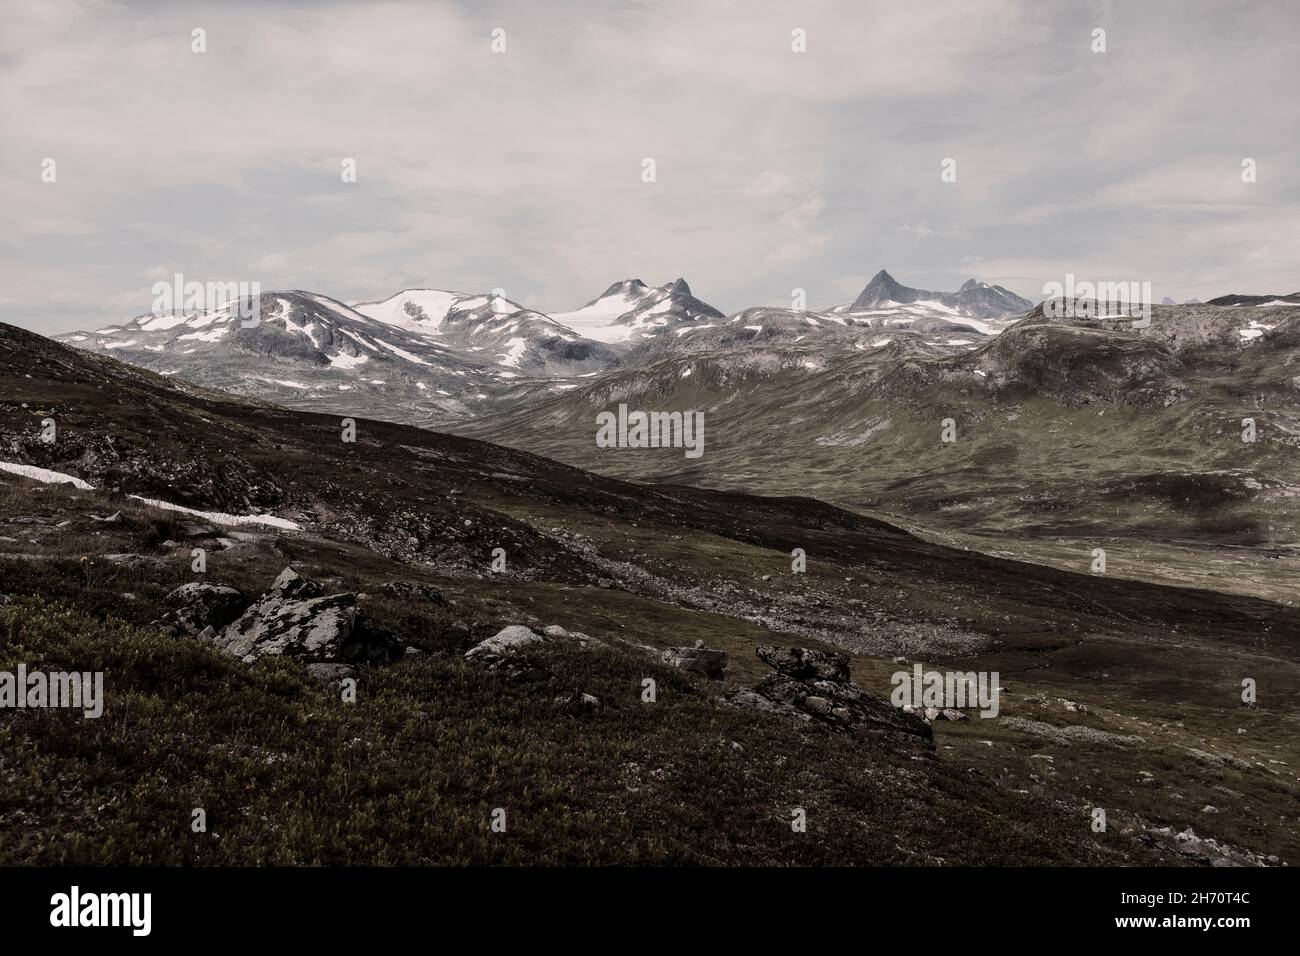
(521, 170)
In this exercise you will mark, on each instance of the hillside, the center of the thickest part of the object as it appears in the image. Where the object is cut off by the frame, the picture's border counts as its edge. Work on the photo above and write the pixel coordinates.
(1066, 431)
(401, 524)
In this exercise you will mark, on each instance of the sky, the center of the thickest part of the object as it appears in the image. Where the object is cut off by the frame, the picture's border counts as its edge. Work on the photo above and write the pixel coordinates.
(523, 169)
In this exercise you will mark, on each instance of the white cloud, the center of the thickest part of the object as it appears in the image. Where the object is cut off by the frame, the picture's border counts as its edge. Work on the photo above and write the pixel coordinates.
(522, 170)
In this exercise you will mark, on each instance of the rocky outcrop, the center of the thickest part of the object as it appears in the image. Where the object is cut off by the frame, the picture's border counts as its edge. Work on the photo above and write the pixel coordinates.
(414, 591)
(505, 651)
(814, 686)
(507, 641)
(294, 619)
(194, 608)
(698, 660)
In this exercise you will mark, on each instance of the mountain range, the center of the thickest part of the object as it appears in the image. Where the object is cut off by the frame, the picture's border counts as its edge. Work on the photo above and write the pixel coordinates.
(429, 356)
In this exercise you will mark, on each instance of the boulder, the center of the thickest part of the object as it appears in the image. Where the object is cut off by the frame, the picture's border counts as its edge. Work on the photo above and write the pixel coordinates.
(289, 583)
(331, 672)
(801, 663)
(195, 606)
(501, 652)
(815, 686)
(754, 701)
(508, 640)
(192, 529)
(294, 620)
(415, 591)
(698, 660)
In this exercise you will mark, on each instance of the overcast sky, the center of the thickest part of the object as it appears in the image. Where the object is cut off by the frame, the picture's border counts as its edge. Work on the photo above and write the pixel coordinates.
(522, 170)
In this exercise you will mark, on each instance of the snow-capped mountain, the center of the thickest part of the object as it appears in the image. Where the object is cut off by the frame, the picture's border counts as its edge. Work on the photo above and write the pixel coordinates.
(630, 311)
(974, 300)
(517, 340)
(422, 355)
(430, 356)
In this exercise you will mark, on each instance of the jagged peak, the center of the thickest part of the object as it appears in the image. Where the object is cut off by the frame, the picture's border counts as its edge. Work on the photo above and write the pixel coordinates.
(626, 287)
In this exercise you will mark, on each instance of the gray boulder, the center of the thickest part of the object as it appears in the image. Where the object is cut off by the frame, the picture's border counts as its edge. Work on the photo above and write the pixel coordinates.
(294, 620)
(502, 653)
(194, 607)
(508, 640)
(698, 660)
(193, 529)
(414, 591)
(505, 650)
(289, 583)
(331, 672)
(803, 663)
(816, 685)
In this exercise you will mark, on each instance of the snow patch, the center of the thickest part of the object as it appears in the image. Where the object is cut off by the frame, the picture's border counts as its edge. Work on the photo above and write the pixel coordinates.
(43, 475)
(220, 517)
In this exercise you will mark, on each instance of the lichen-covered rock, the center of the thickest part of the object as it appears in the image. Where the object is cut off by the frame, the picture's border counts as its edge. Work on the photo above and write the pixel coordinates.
(194, 607)
(316, 629)
(505, 641)
(415, 591)
(698, 660)
(331, 672)
(294, 620)
(802, 663)
(501, 652)
(815, 685)
(290, 583)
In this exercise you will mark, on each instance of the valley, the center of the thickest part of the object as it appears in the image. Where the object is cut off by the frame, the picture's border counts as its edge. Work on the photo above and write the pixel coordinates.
(1118, 694)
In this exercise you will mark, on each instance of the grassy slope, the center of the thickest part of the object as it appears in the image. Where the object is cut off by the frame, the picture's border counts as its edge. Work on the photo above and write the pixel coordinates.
(686, 565)
(1172, 491)
(410, 773)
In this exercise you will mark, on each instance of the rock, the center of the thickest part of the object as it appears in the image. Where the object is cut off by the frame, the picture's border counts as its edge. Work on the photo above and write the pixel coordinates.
(578, 703)
(331, 672)
(192, 529)
(292, 620)
(508, 640)
(554, 630)
(501, 653)
(698, 660)
(5, 599)
(755, 701)
(804, 664)
(952, 713)
(814, 685)
(290, 583)
(414, 590)
(195, 606)
(932, 713)
(1208, 808)
(114, 518)
(766, 577)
